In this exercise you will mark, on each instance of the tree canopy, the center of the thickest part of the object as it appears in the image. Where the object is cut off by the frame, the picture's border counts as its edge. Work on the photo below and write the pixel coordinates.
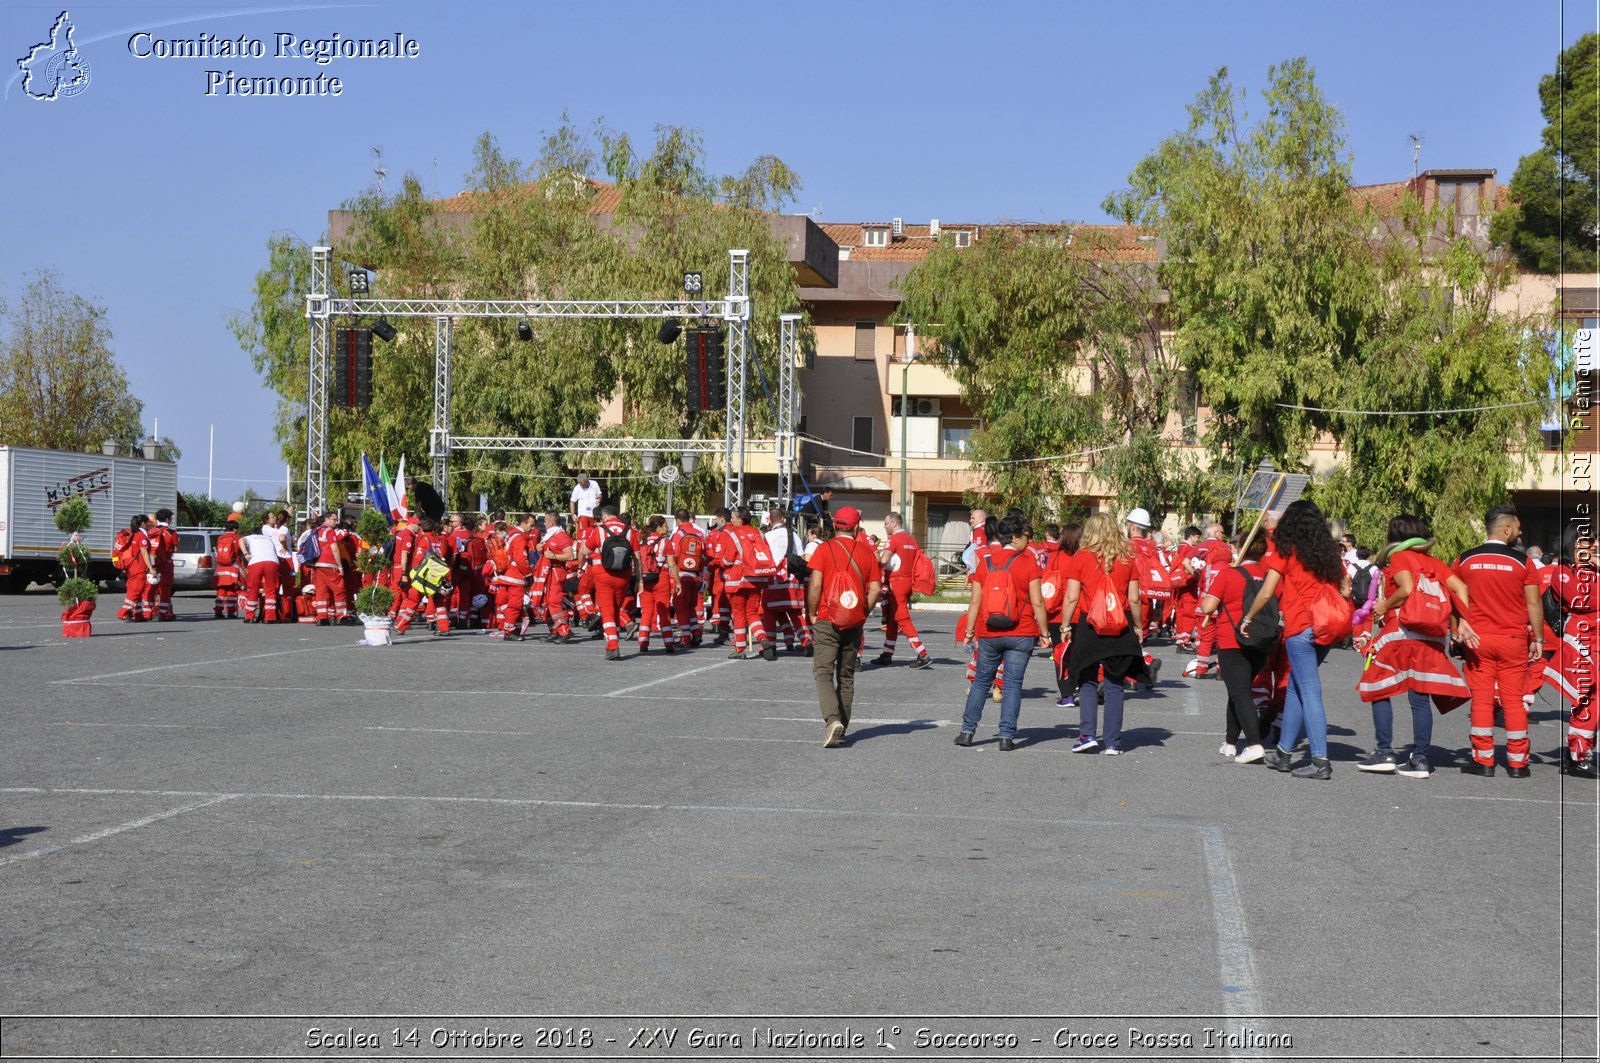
(60, 385)
(532, 234)
(1554, 220)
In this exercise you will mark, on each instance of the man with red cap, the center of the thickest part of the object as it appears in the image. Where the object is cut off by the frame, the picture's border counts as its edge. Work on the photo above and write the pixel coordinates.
(845, 580)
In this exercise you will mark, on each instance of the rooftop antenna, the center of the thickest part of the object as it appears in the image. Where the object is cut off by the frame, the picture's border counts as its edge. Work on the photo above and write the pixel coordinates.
(816, 211)
(1416, 154)
(378, 169)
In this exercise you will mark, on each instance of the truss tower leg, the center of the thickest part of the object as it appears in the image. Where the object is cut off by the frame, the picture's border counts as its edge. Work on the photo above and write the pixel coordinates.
(317, 310)
(439, 438)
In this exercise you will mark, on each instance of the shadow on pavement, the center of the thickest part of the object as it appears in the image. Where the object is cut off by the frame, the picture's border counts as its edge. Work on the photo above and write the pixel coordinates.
(884, 729)
(15, 835)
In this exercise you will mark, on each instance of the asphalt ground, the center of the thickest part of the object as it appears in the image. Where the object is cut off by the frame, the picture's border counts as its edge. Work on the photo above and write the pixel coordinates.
(209, 819)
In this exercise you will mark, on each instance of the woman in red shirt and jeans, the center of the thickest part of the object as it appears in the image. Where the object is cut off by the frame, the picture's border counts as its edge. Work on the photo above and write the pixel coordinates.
(1305, 559)
(1012, 645)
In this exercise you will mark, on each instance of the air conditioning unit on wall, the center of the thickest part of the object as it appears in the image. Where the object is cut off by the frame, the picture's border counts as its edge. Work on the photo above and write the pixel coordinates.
(917, 407)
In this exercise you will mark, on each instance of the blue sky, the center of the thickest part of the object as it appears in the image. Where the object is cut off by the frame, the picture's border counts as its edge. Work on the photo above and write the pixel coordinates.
(156, 200)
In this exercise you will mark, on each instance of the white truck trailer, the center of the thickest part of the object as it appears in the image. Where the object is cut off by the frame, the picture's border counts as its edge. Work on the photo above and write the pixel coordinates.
(33, 483)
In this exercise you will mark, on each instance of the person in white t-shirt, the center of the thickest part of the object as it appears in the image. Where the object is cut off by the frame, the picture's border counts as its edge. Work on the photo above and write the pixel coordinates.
(260, 551)
(585, 500)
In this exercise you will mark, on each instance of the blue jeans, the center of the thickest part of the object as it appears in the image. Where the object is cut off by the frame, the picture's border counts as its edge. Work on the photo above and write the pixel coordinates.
(1015, 651)
(1421, 723)
(1304, 701)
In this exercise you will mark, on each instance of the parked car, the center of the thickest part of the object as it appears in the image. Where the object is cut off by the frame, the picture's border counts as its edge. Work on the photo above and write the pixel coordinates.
(194, 562)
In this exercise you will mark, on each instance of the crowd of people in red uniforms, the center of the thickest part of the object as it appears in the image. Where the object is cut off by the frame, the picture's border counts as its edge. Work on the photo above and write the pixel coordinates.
(1513, 626)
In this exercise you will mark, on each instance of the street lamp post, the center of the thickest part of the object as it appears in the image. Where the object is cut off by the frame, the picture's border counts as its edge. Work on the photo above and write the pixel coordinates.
(905, 409)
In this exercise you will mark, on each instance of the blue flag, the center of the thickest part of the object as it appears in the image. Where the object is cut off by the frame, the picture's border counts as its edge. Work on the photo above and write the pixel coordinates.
(376, 490)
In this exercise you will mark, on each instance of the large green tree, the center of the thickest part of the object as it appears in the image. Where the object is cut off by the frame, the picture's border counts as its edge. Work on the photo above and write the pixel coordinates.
(532, 233)
(60, 385)
(1305, 317)
(1554, 219)
(1055, 337)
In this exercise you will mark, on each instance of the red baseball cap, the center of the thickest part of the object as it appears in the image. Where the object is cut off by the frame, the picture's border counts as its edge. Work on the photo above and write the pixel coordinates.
(847, 517)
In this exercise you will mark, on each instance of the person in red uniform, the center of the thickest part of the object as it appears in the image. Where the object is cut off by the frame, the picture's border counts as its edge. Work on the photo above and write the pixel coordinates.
(511, 582)
(1224, 602)
(843, 566)
(611, 584)
(163, 544)
(405, 537)
(227, 578)
(685, 554)
(1187, 567)
(655, 588)
(1155, 583)
(259, 555)
(898, 557)
(1218, 555)
(425, 539)
(1408, 651)
(136, 570)
(1576, 587)
(719, 609)
(1504, 612)
(747, 567)
(561, 553)
(327, 573)
(783, 603)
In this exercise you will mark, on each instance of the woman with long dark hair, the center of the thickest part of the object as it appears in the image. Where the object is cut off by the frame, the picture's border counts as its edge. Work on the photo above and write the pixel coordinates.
(1305, 562)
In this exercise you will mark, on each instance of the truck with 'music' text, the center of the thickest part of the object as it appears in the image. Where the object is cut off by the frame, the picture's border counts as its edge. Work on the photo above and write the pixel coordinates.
(34, 483)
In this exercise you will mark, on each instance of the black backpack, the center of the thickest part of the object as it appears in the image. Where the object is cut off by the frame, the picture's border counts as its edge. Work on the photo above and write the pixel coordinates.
(1267, 627)
(1361, 582)
(799, 571)
(616, 555)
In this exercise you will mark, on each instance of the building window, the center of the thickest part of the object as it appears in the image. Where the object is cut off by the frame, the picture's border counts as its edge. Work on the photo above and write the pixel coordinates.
(877, 237)
(955, 437)
(861, 435)
(866, 341)
(963, 238)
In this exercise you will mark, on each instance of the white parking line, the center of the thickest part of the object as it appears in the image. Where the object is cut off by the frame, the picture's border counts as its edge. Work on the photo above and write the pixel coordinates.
(173, 726)
(80, 680)
(1235, 962)
(737, 738)
(675, 675)
(452, 731)
(145, 821)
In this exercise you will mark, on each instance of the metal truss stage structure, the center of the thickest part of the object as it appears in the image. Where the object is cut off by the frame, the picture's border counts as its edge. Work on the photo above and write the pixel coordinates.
(322, 307)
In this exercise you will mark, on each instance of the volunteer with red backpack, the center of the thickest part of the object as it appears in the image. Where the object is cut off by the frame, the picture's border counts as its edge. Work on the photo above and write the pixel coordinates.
(655, 588)
(747, 565)
(1576, 588)
(1104, 610)
(226, 576)
(845, 580)
(613, 562)
(1006, 621)
(900, 559)
(1407, 655)
(1305, 572)
(685, 552)
(1240, 661)
(137, 571)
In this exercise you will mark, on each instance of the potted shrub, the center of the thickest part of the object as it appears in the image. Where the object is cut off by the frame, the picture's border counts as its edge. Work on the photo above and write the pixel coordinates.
(73, 518)
(372, 605)
(78, 595)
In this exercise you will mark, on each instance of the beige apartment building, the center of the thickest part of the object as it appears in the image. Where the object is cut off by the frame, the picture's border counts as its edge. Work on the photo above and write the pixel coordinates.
(882, 420)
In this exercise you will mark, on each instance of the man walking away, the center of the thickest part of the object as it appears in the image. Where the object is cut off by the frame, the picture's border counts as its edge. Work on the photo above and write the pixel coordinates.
(845, 580)
(899, 559)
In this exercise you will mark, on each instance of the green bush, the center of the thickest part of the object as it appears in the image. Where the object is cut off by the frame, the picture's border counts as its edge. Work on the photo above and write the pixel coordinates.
(73, 515)
(374, 601)
(77, 590)
(73, 556)
(372, 526)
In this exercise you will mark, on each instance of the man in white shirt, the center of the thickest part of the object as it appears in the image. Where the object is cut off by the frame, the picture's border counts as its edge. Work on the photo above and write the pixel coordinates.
(261, 577)
(585, 500)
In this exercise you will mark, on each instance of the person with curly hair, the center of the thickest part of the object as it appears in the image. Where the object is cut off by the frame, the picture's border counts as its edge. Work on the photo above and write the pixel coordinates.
(1305, 560)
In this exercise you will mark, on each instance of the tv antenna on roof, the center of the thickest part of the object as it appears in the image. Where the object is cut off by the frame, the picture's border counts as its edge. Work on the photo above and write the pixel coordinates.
(1416, 153)
(378, 169)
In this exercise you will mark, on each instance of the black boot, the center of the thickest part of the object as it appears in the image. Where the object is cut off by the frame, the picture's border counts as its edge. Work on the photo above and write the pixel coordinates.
(1319, 768)
(1276, 759)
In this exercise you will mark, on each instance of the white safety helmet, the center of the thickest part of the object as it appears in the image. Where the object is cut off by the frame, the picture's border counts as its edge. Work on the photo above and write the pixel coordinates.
(1139, 516)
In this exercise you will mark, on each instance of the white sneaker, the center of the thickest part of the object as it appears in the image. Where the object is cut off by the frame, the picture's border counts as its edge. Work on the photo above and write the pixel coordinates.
(1250, 754)
(1228, 749)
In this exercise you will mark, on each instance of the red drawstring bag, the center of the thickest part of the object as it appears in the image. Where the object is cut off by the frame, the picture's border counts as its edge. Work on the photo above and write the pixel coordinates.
(75, 621)
(1330, 615)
